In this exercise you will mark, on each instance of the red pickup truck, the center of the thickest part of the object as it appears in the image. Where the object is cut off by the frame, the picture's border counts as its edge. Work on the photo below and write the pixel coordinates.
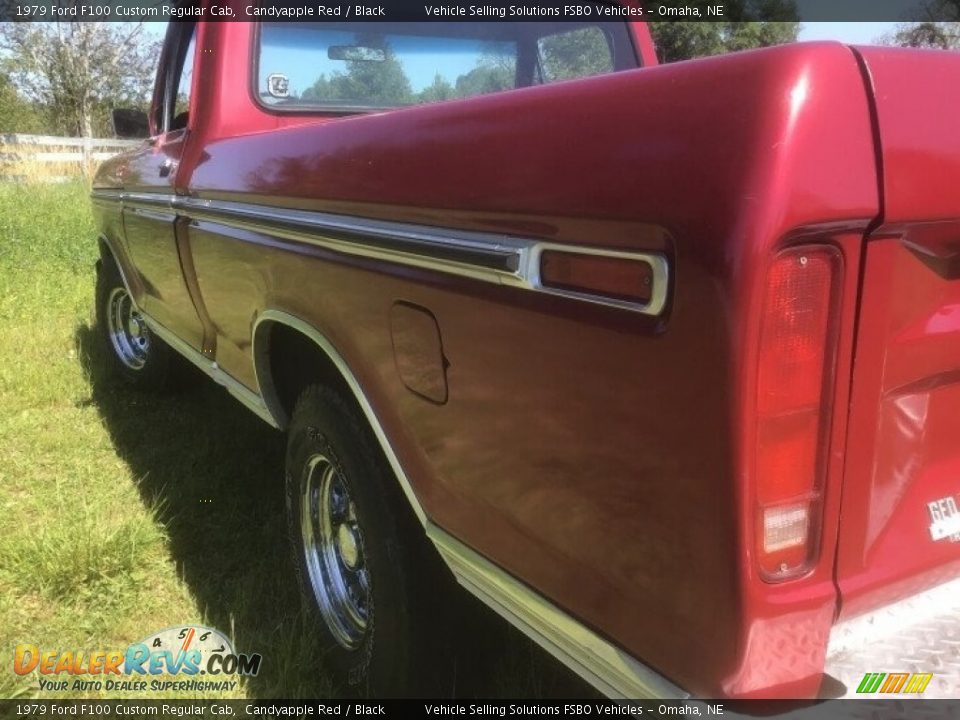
(663, 363)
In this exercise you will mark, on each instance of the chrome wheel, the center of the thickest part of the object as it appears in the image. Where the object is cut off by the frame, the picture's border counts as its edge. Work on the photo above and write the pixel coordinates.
(333, 549)
(129, 335)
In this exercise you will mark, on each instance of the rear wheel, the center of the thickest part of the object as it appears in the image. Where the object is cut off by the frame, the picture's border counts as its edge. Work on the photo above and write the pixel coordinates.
(134, 353)
(334, 551)
(367, 575)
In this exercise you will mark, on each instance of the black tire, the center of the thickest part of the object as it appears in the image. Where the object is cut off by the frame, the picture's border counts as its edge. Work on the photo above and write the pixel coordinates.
(400, 650)
(147, 365)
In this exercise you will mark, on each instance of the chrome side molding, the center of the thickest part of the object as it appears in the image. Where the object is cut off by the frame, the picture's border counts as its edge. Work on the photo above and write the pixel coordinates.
(489, 257)
(449, 249)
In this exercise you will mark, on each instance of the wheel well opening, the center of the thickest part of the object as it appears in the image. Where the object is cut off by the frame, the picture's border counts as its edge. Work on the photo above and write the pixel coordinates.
(294, 362)
(288, 362)
(105, 252)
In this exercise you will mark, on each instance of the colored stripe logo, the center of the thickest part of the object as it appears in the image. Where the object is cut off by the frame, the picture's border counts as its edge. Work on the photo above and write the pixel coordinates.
(902, 683)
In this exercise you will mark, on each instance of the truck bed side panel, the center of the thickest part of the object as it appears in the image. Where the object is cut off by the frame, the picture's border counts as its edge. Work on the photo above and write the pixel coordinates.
(594, 453)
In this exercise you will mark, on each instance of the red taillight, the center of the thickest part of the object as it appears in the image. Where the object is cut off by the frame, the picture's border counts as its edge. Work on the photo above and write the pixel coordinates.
(797, 344)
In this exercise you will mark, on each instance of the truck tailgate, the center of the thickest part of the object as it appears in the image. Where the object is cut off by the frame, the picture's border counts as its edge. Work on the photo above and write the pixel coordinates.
(900, 525)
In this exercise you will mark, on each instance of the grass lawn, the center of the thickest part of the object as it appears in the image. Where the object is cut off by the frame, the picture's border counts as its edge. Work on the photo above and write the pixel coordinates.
(122, 513)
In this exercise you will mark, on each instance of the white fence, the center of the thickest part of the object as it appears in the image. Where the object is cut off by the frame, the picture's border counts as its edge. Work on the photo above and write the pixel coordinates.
(52, 159)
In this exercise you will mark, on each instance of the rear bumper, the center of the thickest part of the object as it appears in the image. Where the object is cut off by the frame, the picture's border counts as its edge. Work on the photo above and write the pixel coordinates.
(918, 635)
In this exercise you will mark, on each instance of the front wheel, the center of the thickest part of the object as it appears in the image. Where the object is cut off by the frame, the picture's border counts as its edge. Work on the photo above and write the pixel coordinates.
(364, 569)
(134, 353)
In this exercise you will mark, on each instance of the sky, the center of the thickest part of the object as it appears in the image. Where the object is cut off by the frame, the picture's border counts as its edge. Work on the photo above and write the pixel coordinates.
(854, 33)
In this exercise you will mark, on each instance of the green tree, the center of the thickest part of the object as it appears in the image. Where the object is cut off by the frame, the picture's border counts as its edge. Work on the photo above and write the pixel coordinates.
(747, 24)
(685, 40)
(365, 82)
(319, 91)
(934, 35)
(80, 71)
(17, 115)
(439, 89)
(574, 54)
(938, 27)
(496, 70)
(483, 79)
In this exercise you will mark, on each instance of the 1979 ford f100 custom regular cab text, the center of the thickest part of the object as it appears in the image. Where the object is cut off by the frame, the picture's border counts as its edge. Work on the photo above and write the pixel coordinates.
(659, 362)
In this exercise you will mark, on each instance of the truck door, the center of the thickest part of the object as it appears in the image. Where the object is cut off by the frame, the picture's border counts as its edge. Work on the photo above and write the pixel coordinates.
(149, 186)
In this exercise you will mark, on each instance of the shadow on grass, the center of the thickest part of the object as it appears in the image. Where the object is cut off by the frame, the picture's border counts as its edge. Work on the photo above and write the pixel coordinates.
(213, 473)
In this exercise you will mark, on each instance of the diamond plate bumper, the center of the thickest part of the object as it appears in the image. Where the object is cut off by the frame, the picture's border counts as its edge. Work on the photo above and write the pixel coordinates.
(920, 634)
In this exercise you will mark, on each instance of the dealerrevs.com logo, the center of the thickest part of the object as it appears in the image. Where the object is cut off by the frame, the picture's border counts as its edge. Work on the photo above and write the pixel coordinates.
(172, 659)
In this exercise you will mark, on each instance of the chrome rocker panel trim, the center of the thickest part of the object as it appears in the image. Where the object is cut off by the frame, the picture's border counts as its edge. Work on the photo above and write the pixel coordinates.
(493, 258)
(609, 669)
(251, 400)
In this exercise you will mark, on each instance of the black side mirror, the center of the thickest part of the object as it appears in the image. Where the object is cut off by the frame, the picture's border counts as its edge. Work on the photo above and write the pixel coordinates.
(130, 123)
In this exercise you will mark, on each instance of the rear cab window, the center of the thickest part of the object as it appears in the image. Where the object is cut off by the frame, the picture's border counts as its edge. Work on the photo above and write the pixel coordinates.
(357, 67)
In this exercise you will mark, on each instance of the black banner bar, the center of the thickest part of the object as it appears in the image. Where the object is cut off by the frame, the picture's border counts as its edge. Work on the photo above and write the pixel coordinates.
(483, 11)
